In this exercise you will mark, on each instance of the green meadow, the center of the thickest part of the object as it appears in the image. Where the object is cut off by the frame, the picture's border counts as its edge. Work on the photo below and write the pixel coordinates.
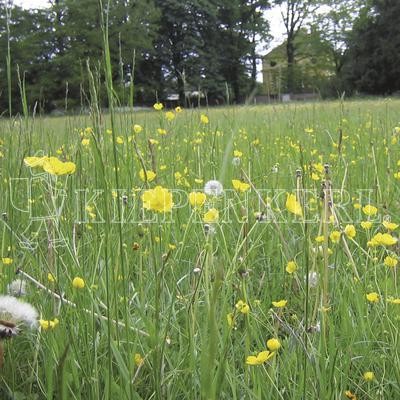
(148, 293)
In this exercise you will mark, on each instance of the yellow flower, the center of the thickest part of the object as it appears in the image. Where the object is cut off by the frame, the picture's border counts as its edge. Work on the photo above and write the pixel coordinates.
(382, 239)
(242, 307)
(369, 210)
(48, 324)
(335, 236)
(197, 199)
(138, 359)
(366, 225)
(273, 344)
(350, 231)
(85, 142)
(293, 206)
(237, 153)
(230, 319)
(392, 300)
(54, 166)
(7, 260)
(260, 358)
(161, 131)
(320, 239)
(211, 216)
(158, 106)
(291, 267)
(390, 261)
(50, 277)
(137, 128)
(120, 140)
(178, 109)
(158, 199)
(149, 173)
(350, 395)
(204, 119)
(369, 376)
(357, 206)
(372, 297)
(169, 116)
(34, 161)
(280, 303)
(78, 283)
(390, 226)
(240, 186)
(315, 177)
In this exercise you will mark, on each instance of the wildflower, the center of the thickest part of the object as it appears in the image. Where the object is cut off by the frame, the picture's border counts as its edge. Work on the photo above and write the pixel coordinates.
(242, 307)
(236, 161)
(390, 226)
(366, 225)
(54, 166)
(48, 324)
(34, 161)
(335, 236)
(230, 319)
(7, 260)
(240, 186)
(237, 153)
(260, 358)
(158, 106)
(149, 176)
(350, 395)
(178, 109)
(273, 344)
(357, 206)
(17, 288)
(197, 199)
(78, 283)
(17, 312)
(291, 267)
(169, 116)
(350, 231)
(382, 239)
(213, 188)
(204, 119)
(312, 279)
(369, 210)
(138, 359)
(50, 277)
(390, 261)
(120, 140)
(320, 239)
(137, 128)
(293, 206)
(372, 297)
(211, 216)
(85, 142)
(393, 300)
(158, 199)
(279, 304)
(161, 131)
(369, 376)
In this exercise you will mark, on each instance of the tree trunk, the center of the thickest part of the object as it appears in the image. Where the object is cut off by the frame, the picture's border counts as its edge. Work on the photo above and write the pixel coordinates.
(290, 61)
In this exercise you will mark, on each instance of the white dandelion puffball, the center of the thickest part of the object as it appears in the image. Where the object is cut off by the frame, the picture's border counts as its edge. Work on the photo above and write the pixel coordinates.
(313, 279)
(236, 161)
(213, 188)
(17, 288)
(17, 311)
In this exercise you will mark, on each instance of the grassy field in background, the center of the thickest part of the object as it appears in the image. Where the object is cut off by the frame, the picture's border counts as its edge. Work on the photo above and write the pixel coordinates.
(172, 306)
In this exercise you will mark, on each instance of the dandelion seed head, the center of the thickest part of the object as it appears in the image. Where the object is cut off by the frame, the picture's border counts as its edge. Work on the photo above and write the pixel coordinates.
(17, 288)
(17, 311)
(213, 188)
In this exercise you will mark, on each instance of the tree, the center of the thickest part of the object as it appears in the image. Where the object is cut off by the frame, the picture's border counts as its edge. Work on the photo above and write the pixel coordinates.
(372, 63)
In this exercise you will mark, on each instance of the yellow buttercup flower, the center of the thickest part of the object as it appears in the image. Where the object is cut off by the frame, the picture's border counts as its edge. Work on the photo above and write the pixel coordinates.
(273, 344)
(34, 161)
(211, 216)
(350, 231)
(369, 376)
(137, 128)
(169, 116)
(151, 175)
(335, 236)
(369, 210)
(372, 297)
(291, 267)
(279, 304)
(54, 166)
(260, 358)
(242, 307)
(7, 260)
(158, 106)
(197, 199)
(204, 119)
(382, 239)
(390, 226)
(85, 142)
(390, 261)
(78, 283)
(138, 359)
(237, 153)
(293, 206)
(366, 225)
(240, 186)
(158, 199)
(48, 324)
